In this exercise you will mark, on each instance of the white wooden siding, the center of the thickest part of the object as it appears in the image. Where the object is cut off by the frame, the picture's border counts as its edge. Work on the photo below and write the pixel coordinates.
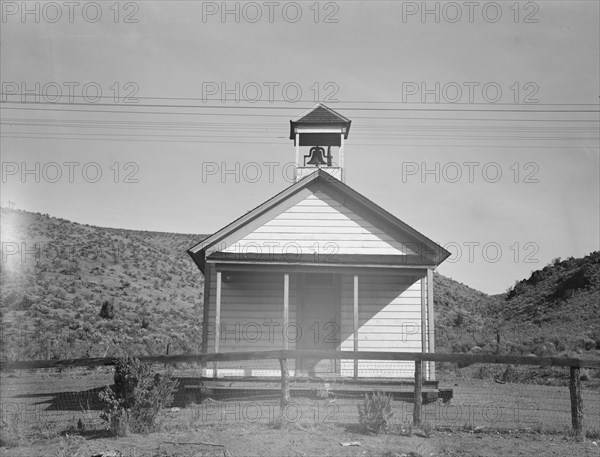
(389, 320)
(251, 301)
(318, 224)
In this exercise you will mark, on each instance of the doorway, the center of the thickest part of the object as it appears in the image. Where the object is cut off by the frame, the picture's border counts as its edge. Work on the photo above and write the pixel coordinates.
(319, 320)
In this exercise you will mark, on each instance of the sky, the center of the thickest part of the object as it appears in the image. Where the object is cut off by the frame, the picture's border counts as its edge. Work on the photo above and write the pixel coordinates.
(476, 124)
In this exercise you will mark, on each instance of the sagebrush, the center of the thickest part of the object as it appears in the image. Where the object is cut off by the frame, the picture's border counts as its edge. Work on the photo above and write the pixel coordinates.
(375, 412)
(133, 403)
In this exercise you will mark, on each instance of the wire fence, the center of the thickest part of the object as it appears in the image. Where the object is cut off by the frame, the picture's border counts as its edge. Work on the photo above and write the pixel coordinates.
(36, 401)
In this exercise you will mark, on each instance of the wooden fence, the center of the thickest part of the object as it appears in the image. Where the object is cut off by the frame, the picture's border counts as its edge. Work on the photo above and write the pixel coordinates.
(574, 364)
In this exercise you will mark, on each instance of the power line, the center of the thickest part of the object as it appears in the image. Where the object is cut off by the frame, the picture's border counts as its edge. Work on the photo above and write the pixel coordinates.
(296, 108)
(379, 130)
(279, 116)
(81, 123)
(274, 100)
(179, 140)
(386, 136)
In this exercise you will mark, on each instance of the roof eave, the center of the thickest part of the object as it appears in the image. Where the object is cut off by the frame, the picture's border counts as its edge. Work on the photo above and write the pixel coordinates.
(199, 258)
(344, 125)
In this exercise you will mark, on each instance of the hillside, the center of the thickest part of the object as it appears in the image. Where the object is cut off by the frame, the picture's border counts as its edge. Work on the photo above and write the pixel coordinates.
(561, 302)
(461, 314)
(56, 275)
(554, 311)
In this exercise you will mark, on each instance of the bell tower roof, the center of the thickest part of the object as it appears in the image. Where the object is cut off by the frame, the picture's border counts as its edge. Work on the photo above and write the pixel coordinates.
(320, 115)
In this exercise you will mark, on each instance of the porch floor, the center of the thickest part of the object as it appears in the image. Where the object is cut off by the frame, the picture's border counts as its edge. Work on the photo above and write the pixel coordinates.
(267, 388)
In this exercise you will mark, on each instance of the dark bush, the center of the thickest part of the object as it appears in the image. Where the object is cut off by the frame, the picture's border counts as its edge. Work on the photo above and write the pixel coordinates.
(25, 303)
(138, 395)
(510, 374)
(108, 310)
(583, 342)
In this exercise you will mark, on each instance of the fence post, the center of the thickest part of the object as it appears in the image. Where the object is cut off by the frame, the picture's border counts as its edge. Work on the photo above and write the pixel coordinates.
(285, 386)
(418, 393)
(576, 403)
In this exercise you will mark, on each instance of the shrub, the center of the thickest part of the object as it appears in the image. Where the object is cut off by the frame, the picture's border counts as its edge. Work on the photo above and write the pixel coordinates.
(11, 299)
(375, 412)
(461, 346)
(558, 343)
(484, 371)
(583, 342)
(138, 395)
(25, 303)
(11, 430)
(107, 311)
(510, 374)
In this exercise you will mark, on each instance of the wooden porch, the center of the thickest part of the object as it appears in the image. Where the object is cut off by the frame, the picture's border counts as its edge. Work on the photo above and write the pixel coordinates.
(394, 312)
(252, 388)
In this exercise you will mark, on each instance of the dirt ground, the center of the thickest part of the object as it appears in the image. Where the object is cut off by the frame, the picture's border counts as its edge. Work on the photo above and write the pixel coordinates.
(48, 414)
(322, 440)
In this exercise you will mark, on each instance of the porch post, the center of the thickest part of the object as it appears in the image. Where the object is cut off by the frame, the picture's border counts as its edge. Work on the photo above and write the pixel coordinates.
(430, 323)
(342, 157)
(298, 164)
(424, 316)
(286, 308)
(205, 315)
(355, 325)
(217, 321)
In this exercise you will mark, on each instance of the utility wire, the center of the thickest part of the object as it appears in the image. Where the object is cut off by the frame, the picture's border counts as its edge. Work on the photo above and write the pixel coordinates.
(386, 136)
(279, 116)
(177, 140)
(297, 108)
(332, 102)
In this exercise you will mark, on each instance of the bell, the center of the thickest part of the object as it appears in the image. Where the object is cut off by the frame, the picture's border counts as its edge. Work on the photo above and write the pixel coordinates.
(316, 156)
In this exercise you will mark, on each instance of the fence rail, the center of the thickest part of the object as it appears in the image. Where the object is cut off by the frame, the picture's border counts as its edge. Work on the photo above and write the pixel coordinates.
(575, 365)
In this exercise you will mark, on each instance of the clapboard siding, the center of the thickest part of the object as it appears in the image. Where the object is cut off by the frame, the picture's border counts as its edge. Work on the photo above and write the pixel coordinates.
(251, 319)
(334, 228)
(398, 322)
(389, 320)
(319, 223)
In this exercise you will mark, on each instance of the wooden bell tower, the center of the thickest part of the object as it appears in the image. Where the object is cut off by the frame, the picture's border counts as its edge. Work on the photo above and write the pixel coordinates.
(319, 135)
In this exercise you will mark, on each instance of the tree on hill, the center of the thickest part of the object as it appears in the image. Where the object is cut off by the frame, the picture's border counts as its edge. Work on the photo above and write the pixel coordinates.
(108, 310)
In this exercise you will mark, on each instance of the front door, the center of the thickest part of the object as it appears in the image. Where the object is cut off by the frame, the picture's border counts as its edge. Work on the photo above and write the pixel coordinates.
(319, 320)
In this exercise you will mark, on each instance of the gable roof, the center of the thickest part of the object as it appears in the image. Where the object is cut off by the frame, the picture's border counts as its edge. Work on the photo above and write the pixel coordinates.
(320, 115)
(431, 254)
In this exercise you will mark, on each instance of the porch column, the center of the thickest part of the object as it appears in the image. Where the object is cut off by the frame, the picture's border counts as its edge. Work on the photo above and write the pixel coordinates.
(217, 320)
(205, 309)
(298, 164)
(424, 316)
(430, 323)
(342, 158)
(286, 308)
(355, 325)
